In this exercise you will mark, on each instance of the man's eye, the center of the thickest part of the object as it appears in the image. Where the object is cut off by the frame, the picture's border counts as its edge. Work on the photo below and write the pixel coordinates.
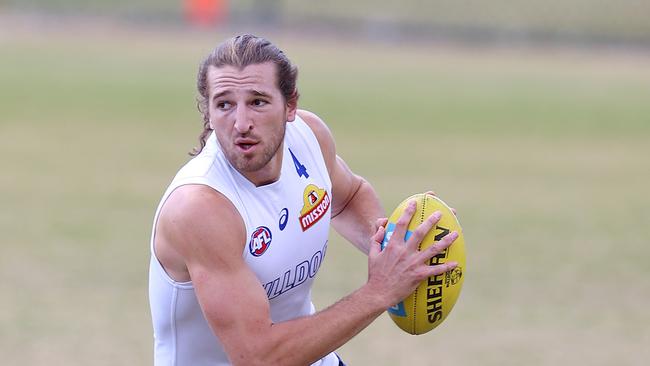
(223, 105)
(259, 102)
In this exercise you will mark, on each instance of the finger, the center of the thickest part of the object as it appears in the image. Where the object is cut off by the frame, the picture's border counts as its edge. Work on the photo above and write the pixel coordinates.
(453, 210)
(403, 221)
(378, 237)
(375, 248)
(439, 246)
(442, 268)
(382, 221)
(431, 193)
(421, 231)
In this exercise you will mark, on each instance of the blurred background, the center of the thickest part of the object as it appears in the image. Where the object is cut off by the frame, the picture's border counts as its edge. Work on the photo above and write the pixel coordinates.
(531, 118)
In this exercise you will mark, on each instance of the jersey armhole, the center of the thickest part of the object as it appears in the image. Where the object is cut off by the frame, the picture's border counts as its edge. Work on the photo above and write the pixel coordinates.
(190, 181)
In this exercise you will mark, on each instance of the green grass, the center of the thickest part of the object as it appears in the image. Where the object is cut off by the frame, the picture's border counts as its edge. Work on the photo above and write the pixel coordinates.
(545, 156)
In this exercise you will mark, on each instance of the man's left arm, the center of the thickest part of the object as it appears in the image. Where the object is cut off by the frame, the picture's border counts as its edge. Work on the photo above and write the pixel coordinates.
(360, 216)
(356, 209)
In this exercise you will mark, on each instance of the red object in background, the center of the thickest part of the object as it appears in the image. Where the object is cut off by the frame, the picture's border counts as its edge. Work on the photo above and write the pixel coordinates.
(206, 12)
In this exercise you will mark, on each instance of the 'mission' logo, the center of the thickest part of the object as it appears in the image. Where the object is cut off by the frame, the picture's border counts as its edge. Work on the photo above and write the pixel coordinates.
(315, 206)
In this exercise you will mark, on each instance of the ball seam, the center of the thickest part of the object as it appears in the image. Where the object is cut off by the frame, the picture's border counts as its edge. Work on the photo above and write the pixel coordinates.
(415, 294)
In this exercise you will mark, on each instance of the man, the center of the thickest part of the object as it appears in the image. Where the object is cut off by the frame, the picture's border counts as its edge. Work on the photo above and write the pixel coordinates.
(241, 231)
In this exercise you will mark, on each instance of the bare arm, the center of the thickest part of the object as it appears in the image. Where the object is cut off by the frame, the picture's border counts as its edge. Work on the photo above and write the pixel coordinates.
(356, 208)
(360, 217)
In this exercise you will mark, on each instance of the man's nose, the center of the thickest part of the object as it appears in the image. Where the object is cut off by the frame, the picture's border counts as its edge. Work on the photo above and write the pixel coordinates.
(243, 121)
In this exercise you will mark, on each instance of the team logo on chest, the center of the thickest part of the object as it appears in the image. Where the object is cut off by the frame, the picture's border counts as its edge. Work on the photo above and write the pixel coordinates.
(260, 241)
(316, 202)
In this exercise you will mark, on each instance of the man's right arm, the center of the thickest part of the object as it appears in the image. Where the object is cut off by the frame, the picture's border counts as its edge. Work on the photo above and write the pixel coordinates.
(207, 235)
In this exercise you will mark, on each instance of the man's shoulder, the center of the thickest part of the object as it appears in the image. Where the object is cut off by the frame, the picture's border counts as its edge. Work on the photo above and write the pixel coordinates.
(318, 127)
(311, 119)
(197, 228)
(195, 215)
(193, 204)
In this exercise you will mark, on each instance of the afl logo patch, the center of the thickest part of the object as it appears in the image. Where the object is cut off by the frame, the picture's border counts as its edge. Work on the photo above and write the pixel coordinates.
(260, 241)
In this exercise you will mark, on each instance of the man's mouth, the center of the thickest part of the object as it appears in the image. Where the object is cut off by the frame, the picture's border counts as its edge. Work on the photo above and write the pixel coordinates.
(245, 145)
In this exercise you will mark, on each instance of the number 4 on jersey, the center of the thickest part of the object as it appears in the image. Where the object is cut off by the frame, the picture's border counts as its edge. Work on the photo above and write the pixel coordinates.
(300, 169)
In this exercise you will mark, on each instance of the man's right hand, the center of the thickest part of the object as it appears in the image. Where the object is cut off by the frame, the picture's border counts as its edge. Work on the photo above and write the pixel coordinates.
(395, 271)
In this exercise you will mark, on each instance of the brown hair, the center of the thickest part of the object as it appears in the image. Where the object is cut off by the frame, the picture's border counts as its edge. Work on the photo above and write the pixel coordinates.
(241, 51)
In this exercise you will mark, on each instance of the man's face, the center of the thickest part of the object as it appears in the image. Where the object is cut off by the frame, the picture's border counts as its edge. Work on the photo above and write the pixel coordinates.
(249, 115)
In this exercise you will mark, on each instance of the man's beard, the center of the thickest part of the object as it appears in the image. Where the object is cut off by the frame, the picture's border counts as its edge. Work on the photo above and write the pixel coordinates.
(260, 160)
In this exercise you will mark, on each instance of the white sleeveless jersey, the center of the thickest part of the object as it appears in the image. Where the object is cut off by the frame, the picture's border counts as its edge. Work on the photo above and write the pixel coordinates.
(287, 226)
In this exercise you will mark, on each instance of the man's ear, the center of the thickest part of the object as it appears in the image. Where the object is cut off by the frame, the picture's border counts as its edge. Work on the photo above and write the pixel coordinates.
(292, 106)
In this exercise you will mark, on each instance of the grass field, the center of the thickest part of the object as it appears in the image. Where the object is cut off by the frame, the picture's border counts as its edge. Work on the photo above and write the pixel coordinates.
(545, 154)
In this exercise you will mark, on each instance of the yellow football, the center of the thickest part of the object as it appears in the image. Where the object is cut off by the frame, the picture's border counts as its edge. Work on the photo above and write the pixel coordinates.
(433, 299)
